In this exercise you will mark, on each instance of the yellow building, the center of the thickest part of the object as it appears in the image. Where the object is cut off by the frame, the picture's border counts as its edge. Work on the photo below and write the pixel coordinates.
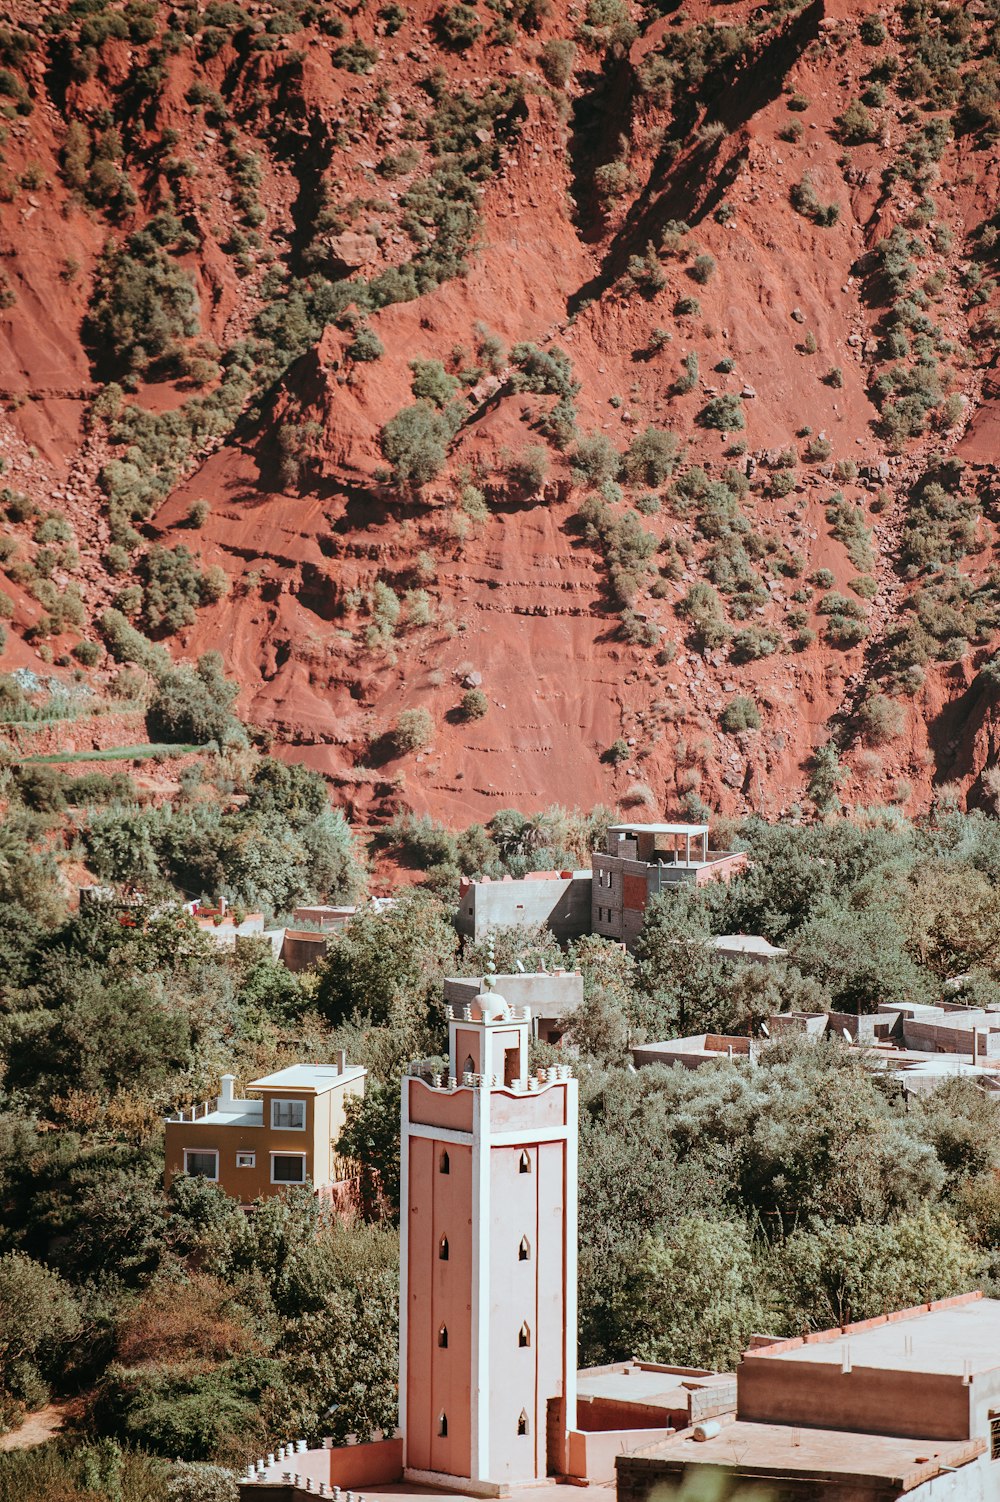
(260, 1146)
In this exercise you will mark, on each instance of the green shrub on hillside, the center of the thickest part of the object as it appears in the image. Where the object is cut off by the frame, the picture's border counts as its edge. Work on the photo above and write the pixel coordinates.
(595, 460)
(739, 714)
(702, 607)
(415, 442)
(144, 305)
(194, 704)
(414, 730)
(723, 412)
(175, 586)
(650, 457)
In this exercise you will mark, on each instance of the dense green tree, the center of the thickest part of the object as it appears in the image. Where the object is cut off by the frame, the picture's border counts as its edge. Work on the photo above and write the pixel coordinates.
(370, 1138)
(388, 967)
(38, 1317)
(697, 1290)
(828, 1274)
(194, 704)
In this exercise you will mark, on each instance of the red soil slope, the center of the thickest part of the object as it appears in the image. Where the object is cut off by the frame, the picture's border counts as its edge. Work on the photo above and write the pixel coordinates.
(520, 598)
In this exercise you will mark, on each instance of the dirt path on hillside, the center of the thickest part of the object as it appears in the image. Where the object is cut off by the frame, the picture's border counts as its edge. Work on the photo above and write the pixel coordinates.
(37, 1428)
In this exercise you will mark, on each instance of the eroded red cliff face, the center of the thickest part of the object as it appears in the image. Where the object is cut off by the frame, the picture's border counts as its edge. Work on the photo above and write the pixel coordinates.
(790, 321)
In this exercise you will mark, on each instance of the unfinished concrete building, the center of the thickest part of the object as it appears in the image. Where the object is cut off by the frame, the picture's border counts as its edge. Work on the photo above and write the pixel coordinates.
(642, 860)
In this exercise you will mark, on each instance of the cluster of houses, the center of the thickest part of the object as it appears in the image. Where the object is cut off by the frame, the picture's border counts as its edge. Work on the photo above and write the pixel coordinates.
(491, 1403)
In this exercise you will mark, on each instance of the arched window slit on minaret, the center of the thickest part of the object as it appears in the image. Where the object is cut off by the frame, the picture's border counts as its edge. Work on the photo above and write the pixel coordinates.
(443, 1249)
(524, 1335)
(524, 1250)
(525, 1164)
(444, 1163)
(522, 1423)
(443, 1337)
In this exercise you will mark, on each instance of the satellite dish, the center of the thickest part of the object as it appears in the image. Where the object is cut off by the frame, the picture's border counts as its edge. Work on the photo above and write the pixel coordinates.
(847, 1036)
(520, 967)
(765, 1030)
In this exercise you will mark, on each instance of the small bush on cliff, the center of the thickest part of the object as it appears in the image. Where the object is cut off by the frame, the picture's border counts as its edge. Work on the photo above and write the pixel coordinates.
(740, 713)
(365, 346)
(755, 642)
(175, 587)
(595, 460)
(651, 456)
(356, 57)
(474, 704)
(529, 469)
(857, 125)
(702, 607)
(805, 201)
(723, 412)
(460, 26)
(548, 372)
(414, 730)
(432, 383)
(556, 62)
(880, 720)
(415, 442)
(144, 305)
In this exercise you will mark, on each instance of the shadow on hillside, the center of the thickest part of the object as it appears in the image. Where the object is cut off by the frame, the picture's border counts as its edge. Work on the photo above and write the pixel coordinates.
(733, 101)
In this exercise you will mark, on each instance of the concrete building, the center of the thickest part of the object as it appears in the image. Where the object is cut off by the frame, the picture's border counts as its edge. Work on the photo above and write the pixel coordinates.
(559, 900)
(700, 1048)
(922, 1045)
(259, 1146)
(551, 995)
(610, 899)
(642, 860)
(332, 919)
(907, 1404)
(749, 947)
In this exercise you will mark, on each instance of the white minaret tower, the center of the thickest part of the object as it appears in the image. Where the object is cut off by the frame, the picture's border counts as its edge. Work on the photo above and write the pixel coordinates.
(487, 1316)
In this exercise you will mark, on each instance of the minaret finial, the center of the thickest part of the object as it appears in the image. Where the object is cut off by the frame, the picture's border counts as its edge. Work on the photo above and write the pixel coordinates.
(490, 978)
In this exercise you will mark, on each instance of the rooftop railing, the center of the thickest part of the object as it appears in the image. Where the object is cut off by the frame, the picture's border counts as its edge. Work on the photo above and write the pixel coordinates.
(438, 1080)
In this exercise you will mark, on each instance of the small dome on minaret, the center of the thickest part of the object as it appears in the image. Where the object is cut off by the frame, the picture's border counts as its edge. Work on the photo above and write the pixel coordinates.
(491, 1007)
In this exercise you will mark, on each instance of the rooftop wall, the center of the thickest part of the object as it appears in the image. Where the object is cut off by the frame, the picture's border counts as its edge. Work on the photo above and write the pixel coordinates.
(300, 949)
(951, 1037)
(547, 993)
(917, 1405)
(560, 902)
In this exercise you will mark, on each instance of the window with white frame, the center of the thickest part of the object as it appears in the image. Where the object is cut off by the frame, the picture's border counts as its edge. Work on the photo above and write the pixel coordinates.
(246, 1160)
(202, 1163)
(288, 1115)
(288, 1168)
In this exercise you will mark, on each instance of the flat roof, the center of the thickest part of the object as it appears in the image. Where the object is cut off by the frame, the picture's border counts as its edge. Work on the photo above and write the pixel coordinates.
(641, 1382)
(949, 1339)
(317, 1077)
(745, 943)
(254, 1117)
(785, 1450)
(683, 829)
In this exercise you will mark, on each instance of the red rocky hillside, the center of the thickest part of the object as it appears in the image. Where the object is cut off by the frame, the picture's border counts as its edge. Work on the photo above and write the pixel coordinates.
(612, 382)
